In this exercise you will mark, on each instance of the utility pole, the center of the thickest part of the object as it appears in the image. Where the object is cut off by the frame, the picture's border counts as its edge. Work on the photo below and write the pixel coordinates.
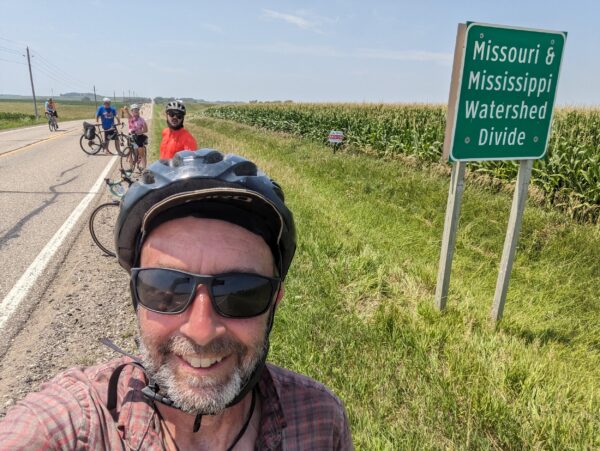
(32, 88)
(123, 97)
(95, 101)
(114, 95)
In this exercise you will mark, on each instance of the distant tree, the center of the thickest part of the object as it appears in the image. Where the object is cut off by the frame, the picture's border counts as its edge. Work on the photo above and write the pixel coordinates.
(86, 99)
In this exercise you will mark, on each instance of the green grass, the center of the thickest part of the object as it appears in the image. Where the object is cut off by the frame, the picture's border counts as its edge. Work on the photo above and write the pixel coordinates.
(158, 123)
(358, 312)
(67, 111)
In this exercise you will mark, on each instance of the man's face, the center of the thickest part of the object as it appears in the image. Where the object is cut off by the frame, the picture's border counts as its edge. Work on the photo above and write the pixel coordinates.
(106, 104)
(174, 118)
(199, 357)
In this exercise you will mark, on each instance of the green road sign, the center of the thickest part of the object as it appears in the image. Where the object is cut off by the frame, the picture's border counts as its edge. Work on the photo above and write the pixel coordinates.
(502, 93)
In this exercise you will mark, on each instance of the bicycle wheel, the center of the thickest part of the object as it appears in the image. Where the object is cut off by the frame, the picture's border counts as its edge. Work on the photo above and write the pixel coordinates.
(124, 147)
(128, 161)
(50, 126)
(55, 125)
(102, 226)
(90, 146)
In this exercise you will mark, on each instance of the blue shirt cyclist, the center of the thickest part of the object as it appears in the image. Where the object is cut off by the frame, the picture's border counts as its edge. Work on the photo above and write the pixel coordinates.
(108, 114)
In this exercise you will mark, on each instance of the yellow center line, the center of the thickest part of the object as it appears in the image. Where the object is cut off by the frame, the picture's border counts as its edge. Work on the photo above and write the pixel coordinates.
(27, 146)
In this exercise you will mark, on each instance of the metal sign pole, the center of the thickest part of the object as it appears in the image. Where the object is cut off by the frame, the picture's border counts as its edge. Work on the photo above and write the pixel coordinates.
(449, 237)
(512, 238)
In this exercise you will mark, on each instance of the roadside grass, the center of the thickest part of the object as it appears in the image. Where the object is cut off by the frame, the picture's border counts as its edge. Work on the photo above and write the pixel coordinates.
(158, 123)
(358, 312)
(67, 111)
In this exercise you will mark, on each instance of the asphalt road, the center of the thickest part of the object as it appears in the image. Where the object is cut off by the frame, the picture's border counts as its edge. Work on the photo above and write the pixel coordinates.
(43, 177)
(81, 295)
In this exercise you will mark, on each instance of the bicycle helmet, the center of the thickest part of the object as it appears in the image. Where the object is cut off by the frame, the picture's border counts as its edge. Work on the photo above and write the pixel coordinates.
(106, 99)
(135, 106)
(175, 105)
(207, 184)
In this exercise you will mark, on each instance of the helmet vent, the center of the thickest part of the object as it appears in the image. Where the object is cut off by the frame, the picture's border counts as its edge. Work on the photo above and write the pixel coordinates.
(213, 156)
(245, 168)
(148, 177)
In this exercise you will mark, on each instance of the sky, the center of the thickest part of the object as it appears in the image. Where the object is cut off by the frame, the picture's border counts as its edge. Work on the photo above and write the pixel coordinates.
(309, 51)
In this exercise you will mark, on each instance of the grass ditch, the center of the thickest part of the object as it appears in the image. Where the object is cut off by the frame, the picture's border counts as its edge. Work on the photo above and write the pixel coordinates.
(358, 312)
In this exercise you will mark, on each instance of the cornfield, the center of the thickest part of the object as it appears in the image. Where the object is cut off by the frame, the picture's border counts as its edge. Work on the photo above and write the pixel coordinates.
(568, 176)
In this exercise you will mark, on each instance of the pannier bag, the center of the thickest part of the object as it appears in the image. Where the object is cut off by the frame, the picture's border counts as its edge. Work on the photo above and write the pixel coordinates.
(89, 130)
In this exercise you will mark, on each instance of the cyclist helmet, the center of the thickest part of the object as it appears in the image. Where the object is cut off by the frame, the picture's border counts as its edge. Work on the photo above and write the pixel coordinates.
(206, 184)
(135, 106)
(106, 100)
(50, 99)
(175, 105)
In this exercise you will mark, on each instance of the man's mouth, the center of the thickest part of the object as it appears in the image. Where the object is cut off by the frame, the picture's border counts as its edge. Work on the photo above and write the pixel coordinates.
(198, 362)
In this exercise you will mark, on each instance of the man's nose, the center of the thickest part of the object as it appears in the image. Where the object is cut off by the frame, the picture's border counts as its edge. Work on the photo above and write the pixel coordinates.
(203, 323)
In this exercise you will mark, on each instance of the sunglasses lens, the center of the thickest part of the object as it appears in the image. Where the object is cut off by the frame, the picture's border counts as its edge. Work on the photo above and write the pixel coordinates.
(242, 295)
(177, 115)
(234, 295)
(163, 290)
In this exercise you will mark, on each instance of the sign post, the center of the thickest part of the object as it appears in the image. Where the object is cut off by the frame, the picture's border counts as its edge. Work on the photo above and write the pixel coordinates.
(501, 105)
(336, 138)
(512, 237)
(449, 237)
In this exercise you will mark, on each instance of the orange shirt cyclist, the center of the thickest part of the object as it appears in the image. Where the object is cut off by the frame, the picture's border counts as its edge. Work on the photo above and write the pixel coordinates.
(175, 137)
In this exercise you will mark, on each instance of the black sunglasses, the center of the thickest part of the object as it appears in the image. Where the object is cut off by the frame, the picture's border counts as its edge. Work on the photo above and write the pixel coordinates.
(177, 115)
(233, 295)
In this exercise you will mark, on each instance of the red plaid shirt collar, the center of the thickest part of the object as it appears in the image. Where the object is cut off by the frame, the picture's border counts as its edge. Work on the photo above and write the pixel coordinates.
(137, 417)
(71, 411)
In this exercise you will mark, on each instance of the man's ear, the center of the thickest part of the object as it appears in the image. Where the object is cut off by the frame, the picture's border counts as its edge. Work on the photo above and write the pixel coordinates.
(280, 293)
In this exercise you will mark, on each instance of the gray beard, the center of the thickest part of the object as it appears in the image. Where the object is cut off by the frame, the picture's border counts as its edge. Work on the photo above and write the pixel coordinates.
(206, 395)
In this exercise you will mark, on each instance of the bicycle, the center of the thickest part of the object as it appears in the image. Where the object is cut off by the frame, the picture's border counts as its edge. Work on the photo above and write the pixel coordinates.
(134, 160)
(104, 217)
(92, 140)
(52, 122)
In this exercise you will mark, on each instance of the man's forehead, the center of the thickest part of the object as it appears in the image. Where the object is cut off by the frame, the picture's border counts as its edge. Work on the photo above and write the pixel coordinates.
(206, 232)
(206, 243)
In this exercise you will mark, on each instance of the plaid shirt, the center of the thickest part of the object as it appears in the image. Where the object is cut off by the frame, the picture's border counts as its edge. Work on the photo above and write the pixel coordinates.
(70, 412)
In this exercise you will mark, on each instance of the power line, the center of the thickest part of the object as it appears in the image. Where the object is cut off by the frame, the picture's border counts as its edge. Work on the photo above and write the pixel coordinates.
(16, 62)
(44, 67)
(57, 70)
(8, 50)
(61, 81)
(56, 76)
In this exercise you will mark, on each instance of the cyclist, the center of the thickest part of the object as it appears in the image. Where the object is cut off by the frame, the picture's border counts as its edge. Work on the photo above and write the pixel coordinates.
(175, 137)
(138, 128)
(50, 109)
(108, 115)
(202, 381)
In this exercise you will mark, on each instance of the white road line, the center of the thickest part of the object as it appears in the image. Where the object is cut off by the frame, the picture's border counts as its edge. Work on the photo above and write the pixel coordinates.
(28, 279)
